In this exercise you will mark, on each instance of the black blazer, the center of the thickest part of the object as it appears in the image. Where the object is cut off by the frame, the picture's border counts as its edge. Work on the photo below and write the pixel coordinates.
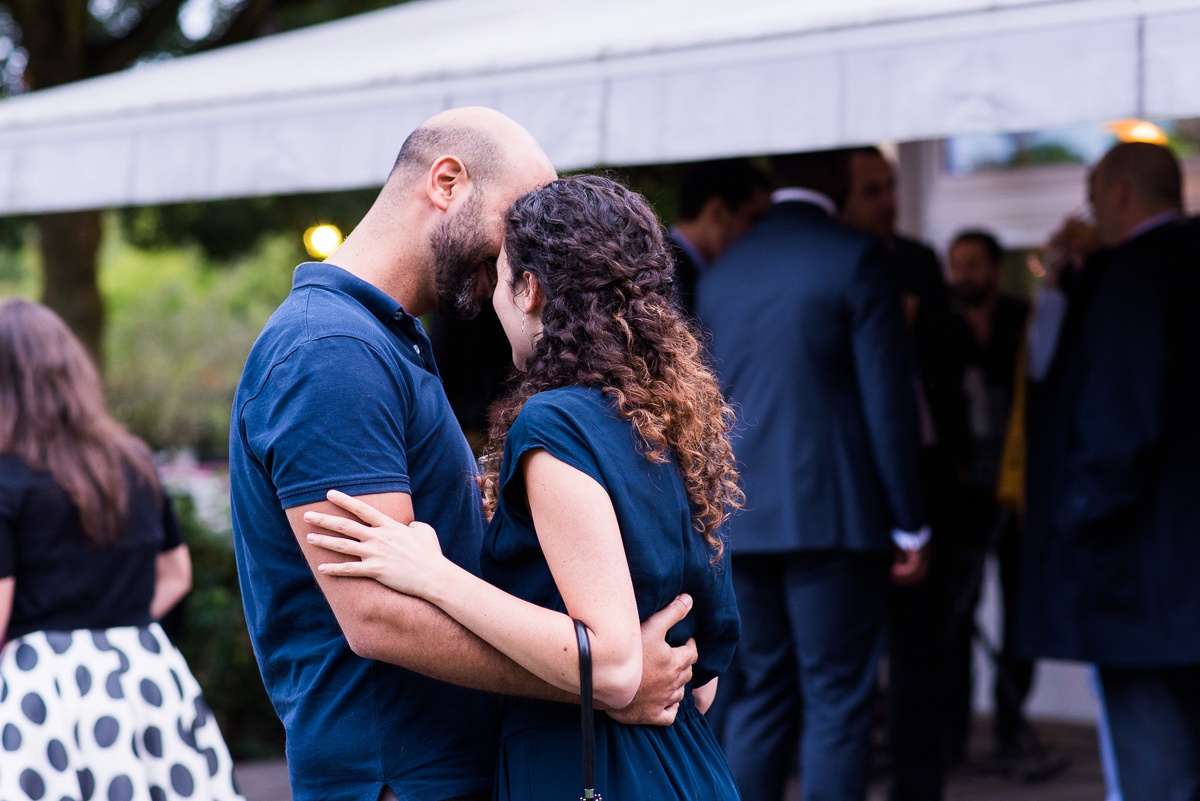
(940, 357)
(686, 271)
(1112, 554)
(809, 340)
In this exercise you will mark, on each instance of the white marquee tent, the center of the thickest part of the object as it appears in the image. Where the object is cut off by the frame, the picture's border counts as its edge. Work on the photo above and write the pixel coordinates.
(611, 82)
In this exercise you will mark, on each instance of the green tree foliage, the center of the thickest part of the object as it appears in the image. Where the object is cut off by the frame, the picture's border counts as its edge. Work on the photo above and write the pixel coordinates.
(226, 229)
(45, 43)
(210, 631)
(180, 331)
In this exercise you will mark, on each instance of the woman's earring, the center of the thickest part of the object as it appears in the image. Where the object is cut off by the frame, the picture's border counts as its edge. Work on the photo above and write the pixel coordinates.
(522, 322)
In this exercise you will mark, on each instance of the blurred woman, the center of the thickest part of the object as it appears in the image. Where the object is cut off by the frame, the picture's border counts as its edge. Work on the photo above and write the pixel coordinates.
(615, 478)
(94, 700)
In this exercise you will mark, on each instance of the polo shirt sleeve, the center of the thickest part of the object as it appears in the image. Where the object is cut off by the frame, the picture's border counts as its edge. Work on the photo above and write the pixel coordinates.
(332, 415)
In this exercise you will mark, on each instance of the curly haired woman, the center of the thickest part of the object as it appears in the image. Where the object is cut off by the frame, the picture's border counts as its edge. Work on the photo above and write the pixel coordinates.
(615, 478)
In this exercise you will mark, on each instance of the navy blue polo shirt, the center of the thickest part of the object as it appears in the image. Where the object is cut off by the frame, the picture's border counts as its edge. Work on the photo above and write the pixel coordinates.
(341, 392)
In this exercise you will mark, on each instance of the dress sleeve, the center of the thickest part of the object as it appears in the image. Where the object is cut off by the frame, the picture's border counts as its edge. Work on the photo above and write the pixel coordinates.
(544, 424)
(718, 630)
(331, 416)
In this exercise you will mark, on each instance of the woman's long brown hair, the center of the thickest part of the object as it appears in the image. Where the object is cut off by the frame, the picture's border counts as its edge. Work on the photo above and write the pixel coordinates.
(53, 416)
(609, 320)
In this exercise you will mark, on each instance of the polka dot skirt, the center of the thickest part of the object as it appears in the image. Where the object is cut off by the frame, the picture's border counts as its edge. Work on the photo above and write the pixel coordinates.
(110, 714)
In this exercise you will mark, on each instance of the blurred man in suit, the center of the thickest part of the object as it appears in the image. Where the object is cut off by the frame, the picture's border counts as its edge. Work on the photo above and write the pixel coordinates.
(1109, 566)
(989, 334)
(808, 337)
(919, 743)
(871, 206)
(718, 203)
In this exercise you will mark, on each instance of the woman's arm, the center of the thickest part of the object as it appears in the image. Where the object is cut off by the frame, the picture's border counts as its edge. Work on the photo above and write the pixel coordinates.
(704, 696)
(7, 586)
(172, 580)
(577, 528)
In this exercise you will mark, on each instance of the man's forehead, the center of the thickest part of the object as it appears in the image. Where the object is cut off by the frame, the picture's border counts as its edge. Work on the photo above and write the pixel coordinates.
(867, 167)
(525, 172)
(968, 246)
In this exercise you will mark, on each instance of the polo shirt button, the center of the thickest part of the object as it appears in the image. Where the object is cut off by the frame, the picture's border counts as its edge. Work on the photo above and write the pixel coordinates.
(417, 348)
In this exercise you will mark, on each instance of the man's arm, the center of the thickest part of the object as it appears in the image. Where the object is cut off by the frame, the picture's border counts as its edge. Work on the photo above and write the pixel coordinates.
(887, 375)
(403, 630)
(391, 627)
(1118, 422)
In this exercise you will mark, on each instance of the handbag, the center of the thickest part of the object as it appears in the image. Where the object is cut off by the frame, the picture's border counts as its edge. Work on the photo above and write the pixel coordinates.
(585, 704)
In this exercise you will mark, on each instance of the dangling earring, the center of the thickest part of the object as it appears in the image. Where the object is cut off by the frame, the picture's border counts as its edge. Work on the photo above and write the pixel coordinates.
(522, 322)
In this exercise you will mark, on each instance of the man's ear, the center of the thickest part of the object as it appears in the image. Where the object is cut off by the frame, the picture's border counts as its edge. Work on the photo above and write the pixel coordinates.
(447, 177)
(534, 297)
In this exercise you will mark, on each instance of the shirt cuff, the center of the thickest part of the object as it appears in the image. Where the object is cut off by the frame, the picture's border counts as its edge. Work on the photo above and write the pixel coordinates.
(911, 540)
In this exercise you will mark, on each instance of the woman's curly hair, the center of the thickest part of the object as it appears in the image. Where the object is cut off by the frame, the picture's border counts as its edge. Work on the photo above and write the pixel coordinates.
(609, 320)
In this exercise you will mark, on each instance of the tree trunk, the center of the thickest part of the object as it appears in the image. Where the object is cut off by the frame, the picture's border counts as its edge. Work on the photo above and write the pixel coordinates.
(69, 244)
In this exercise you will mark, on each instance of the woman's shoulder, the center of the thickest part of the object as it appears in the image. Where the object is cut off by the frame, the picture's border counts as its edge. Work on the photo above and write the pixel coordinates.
(571, 402)
(18, 481)
(14, 471)
(574, 417)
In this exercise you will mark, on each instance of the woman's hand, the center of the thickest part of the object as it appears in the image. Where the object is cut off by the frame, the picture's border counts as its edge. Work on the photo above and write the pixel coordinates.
(406, 558)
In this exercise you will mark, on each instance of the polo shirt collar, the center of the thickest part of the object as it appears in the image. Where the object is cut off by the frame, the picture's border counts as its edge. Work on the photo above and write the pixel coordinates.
(383, 306)
(374, 299)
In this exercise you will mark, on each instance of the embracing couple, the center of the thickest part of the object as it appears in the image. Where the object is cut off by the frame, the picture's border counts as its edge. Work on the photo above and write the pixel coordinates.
(437, 659)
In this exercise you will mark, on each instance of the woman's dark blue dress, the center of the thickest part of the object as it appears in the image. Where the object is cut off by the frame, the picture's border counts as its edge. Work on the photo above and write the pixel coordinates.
(539, 756)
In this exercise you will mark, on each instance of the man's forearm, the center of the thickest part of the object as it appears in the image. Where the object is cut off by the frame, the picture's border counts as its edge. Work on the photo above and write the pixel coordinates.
(422, 638)
(388, 626)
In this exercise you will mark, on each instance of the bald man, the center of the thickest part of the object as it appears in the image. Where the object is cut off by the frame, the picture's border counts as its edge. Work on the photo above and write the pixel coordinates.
(1112, 552)
(341, 392)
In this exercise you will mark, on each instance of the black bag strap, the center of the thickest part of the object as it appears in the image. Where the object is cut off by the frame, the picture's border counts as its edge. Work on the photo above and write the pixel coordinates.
(585, 702)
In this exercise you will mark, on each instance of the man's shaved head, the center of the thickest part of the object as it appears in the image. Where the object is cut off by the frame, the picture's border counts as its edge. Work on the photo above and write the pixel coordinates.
(432, 236)
(1152, 172)
(478, 149)
(1134, 182)
(487, 142)
(485, 161)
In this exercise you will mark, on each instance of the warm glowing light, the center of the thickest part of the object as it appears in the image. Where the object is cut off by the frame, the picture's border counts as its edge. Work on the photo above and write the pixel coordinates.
(1138, 131)
(321, 240)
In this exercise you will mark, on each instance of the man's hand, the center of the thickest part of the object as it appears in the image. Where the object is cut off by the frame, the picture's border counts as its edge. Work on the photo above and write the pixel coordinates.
(910, 567)
(665, 670)
(1069, 246)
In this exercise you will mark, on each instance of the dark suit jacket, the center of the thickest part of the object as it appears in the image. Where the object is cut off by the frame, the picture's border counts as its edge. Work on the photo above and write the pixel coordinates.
(940, 364)
(809, 340)
(1112, 555)
(919, 273)
(686, 271)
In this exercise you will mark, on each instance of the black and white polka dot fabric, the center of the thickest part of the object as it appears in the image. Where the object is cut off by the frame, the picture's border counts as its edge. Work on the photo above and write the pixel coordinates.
(110, 714)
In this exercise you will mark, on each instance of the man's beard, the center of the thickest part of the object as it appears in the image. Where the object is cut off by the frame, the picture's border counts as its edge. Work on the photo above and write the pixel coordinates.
(460, 247)
(970, 295)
